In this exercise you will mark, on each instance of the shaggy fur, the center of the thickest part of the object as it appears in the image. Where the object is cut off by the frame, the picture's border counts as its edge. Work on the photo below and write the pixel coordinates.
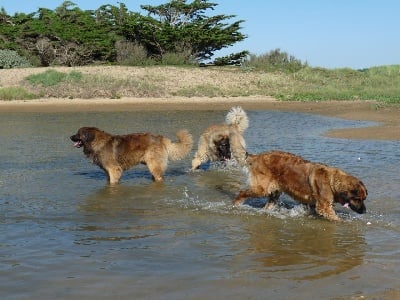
(217, 141)
(276, 172)
(116, 153)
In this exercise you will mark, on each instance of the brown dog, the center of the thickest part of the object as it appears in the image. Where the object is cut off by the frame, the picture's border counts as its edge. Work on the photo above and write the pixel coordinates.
(217, 141)
(272, 173)
(116, 153)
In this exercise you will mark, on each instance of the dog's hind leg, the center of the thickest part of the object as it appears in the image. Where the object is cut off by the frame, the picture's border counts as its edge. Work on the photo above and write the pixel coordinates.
(272, 199)
(243, 195)
(157, 168)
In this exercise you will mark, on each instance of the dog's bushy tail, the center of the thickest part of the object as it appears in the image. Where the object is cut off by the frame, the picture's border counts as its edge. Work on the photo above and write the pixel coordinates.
(238, 117)
(179, 150)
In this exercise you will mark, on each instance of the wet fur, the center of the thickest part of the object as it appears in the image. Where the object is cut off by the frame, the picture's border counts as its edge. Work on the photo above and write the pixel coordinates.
(117, 153)
(217, 141)
(276, 172)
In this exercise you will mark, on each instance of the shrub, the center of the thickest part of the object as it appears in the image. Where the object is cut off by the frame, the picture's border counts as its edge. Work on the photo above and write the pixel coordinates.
(176, 59)
(275, 60)
(11, 59)
(235, 59)
(131, 54)
(46, 51)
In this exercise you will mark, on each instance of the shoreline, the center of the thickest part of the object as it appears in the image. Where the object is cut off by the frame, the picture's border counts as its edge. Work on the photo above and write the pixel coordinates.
(388, 118)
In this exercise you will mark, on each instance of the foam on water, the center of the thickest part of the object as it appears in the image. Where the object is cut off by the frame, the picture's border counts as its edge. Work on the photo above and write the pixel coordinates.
(68, 233)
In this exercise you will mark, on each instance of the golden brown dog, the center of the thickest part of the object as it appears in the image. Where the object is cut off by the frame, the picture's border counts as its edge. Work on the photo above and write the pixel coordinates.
(272, 173)
(116, 153)
(217, 141)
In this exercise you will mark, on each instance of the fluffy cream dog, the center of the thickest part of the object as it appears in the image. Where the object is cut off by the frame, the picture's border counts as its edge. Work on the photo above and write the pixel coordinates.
(218, 141)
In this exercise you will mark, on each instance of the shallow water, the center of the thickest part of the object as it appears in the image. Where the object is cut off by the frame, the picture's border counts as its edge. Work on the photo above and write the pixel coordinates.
(66, 234)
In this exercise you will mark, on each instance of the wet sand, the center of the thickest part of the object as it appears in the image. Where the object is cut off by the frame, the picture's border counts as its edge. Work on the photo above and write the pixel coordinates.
(387, 118)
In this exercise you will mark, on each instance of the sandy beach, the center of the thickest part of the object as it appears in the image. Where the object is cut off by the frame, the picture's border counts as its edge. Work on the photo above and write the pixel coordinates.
(387, 118)
(172, 79)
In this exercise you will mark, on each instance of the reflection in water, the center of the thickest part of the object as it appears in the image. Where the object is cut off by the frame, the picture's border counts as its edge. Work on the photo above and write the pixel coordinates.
(306, 251)
(67, 233)
(119, 198)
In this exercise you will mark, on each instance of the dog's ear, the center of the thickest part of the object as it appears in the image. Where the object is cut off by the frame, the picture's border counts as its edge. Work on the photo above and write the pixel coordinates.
(87, 136)
(363, 185)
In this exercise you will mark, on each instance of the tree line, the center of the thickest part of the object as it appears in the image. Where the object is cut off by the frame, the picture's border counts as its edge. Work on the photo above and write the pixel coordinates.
(176, 31)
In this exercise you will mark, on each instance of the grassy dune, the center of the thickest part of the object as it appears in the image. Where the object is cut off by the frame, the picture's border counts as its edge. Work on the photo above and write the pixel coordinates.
(308, 84)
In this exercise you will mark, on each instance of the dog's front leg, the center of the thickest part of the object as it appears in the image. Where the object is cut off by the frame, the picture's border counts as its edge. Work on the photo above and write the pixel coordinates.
(114, 174)
(325, 209)
(196, 162)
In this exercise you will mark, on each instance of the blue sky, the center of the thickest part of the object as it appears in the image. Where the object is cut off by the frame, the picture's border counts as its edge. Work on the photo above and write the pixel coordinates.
(325, 33)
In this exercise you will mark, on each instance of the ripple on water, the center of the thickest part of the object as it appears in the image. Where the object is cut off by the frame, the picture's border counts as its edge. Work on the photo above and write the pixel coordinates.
(65, 228)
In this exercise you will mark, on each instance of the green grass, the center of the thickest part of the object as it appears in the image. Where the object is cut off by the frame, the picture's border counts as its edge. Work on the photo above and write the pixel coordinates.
(312, 84)
(52, 83)
(53, 77)
(307, 84)
(15, 93)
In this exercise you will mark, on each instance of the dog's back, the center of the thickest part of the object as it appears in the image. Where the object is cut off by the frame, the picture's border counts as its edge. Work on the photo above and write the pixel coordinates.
(130, 149)
(278, 171)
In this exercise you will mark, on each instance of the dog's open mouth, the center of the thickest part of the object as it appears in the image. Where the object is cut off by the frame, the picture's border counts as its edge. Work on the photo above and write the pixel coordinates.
(360, 210)
(78, 144)
(224, 158)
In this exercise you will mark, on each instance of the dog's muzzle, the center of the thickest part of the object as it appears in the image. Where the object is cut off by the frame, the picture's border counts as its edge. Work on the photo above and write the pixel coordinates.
(361, 209)
(77, 141)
